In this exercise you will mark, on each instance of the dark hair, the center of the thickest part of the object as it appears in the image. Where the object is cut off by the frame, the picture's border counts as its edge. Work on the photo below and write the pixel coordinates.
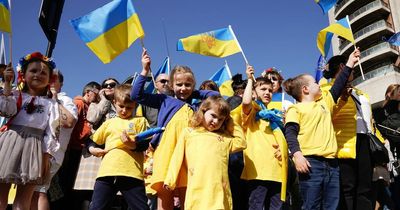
(334, 65)
(110, 78)
(294, 86)
(90, 86)
(223, 110)
(60, 76)
(238, 84)
(209, 85)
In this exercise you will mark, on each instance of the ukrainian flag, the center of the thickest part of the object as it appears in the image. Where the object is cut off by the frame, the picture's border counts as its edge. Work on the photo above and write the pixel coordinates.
(223, 79)
(5, 16)
(109, 30)
(218, 43)
(326, 5)
(340, 28)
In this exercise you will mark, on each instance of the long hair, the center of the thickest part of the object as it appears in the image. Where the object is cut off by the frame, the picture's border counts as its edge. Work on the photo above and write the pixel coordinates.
(391, 90)
(223, 110)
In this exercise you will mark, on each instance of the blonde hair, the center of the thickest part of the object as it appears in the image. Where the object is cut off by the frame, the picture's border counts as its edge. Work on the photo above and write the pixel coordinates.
(391, 90)
(223, 109)
(294, 86)
(122, 94)
(180, 70)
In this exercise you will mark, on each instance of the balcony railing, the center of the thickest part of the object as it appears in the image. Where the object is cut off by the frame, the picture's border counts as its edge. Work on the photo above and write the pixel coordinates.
(375, 73)
(376, 48)
(340, 5)
(367, 7)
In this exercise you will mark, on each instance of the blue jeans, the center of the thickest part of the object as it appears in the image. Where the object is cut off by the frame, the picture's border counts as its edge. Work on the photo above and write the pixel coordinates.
(320, 188)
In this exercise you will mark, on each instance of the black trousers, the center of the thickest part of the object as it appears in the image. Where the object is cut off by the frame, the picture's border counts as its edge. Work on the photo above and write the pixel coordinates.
(356, 178)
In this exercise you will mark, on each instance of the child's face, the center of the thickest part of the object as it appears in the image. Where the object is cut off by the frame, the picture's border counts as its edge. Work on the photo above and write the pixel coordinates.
(264, 93)
(212, 120)
(124, 110)
(275, 82)
(37, 76)
(183, 85)
(313, 87)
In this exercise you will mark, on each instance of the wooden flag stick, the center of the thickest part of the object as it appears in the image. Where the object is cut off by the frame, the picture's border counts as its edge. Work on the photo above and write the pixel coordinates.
(355, 47)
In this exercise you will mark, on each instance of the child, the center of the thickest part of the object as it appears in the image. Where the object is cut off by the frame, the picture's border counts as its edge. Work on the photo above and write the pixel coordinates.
(265, 173)
(121, 168)
(311, 137)
(174, 114)
(29, 141)
(204, 149)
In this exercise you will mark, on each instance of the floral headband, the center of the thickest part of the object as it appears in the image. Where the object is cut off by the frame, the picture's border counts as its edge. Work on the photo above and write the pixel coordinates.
(37, 56)
(272, 70)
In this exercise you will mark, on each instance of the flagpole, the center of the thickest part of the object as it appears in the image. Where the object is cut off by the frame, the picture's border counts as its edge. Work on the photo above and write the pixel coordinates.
(355, 47)
(151, 72)
(240, 48)
(229, 70)
(165, 36)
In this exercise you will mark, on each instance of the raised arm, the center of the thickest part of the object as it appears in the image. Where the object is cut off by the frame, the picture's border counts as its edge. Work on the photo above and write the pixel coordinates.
(341, 80)
(137, 92)
(248, 91)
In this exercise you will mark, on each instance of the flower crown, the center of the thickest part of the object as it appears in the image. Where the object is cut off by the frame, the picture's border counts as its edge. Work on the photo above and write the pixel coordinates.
(38, 56)
(272, 70)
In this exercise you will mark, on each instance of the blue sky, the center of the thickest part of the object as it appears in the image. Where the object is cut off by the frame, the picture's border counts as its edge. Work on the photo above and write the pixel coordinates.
(274, 33)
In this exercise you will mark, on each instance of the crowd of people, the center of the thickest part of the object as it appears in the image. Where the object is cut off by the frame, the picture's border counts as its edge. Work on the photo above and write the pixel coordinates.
(254, 150)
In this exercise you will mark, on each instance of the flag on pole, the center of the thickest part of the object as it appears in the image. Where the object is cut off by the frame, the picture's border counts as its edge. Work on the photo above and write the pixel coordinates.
(164, 69)
(394, 40)
(320, 68)
(223, 79)
(340, 28)
(5, 16)
(3, 59)
(217, 43)
(109, 30)
(326, 5)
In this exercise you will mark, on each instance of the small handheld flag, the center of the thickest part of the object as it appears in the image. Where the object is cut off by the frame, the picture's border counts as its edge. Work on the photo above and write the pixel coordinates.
(394, 40)
(217, 43)
(320, 68)
(340, 28)
(5, 16)
(109, 30)
(164, 69)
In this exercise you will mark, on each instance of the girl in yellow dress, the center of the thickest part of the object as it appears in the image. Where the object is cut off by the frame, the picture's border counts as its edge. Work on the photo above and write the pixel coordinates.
(204, 150)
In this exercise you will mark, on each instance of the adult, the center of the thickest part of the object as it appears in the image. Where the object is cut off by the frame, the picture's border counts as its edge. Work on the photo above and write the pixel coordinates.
(91, 157)
(79, 135)
(391, 131)
(352, 119)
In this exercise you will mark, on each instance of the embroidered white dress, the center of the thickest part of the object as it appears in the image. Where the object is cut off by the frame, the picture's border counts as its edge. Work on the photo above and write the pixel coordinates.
(28, 137)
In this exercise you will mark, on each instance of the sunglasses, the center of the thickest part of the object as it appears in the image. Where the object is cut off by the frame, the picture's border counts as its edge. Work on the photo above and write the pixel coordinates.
(273, 78)
(163, 81)
(109, 85)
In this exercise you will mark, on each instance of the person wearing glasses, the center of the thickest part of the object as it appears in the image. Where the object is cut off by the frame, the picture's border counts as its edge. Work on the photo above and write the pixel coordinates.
(162, 82)
(278, 97)
(91, 156)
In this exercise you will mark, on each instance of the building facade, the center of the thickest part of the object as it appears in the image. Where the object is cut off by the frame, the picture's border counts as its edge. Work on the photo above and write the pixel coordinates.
(371, 21)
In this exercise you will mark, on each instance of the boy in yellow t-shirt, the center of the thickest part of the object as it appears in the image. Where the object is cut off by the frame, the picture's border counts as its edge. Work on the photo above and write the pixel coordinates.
(311, 137)
(265, 171)
(122, 166)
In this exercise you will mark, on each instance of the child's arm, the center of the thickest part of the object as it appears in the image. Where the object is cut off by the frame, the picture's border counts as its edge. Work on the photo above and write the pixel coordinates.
(8, 105)
(137, 92)
(248, 91)
(341, 80)
(238, 142)
(203, 94)
(128, 142)
(176, 162)
(291, 133)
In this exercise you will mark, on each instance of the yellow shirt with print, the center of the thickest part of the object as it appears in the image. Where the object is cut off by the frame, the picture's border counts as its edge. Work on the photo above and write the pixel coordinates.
(120, 160)
(259, 160)
(316, 135)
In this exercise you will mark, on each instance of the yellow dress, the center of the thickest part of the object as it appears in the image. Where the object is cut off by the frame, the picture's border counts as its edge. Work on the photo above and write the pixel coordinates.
(206, 156)
(163, 152)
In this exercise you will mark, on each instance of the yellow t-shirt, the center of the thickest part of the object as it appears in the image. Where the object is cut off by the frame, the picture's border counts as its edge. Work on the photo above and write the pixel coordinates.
(316, 135)
(259, 160)
(120, 161)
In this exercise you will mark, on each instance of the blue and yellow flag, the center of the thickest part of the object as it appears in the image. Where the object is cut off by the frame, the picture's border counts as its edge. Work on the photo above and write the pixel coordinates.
(218, 43)
(223, 79)
(164, 69)
(109, 30)
(340, 28)
(326, 5)
(394, 40)
(320, 68)
(5, 16)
